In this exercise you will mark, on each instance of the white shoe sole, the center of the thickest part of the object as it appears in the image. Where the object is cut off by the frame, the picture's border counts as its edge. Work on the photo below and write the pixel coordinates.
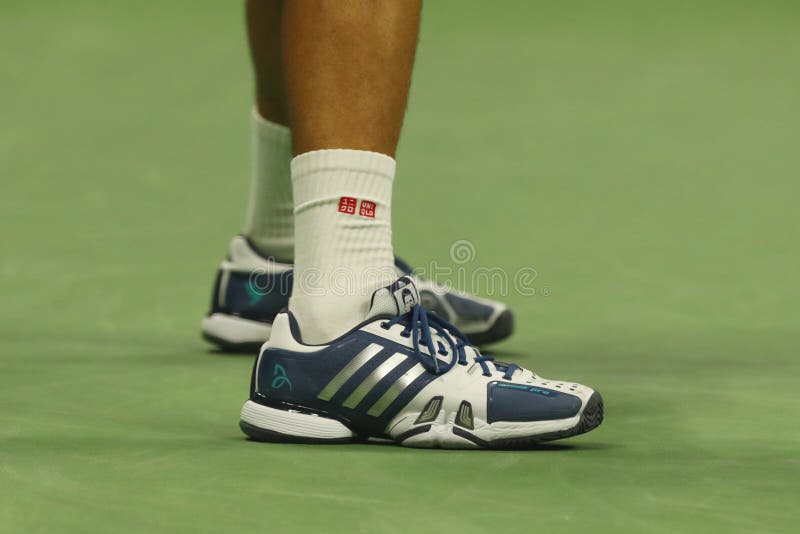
(263, 423)
(235, 333)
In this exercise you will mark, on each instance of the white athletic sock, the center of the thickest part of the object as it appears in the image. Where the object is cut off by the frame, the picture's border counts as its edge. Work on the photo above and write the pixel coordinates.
(343, 237)
(270, 218)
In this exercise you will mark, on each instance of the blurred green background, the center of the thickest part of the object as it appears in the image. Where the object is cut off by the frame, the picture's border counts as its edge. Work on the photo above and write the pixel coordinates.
(642, 156)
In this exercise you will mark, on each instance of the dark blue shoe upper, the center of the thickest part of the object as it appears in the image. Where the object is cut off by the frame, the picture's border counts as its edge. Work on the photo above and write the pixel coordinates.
(254, 296)
(518, 402)
(286, 379)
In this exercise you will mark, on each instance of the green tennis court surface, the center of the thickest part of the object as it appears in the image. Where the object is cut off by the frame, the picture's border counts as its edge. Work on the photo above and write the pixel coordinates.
(641, 156)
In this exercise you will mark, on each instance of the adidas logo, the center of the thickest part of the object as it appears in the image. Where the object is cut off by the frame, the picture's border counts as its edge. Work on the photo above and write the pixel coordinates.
(368, 384)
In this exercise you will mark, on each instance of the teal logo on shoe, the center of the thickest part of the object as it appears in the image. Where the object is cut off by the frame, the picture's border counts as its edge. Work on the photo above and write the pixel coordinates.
(279, 378)
(253, 294)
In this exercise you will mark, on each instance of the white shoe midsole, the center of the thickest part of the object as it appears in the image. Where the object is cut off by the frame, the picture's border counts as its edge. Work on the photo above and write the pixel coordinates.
(303, 425)
(443, 430)
(235, 330)
(293, 423)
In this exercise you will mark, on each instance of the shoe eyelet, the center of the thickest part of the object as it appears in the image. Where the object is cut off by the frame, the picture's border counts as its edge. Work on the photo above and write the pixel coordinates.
(487, 374)
(385, 325)
(405, 334)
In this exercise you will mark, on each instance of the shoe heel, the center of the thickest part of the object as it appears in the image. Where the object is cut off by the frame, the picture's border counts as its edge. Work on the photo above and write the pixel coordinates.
(264, 423)
(235, 333)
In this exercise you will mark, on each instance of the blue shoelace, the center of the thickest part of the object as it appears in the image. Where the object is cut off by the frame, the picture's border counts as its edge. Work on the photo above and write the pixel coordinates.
(418, 323)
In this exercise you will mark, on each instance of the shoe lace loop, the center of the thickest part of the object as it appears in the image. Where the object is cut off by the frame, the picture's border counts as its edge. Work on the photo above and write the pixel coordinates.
(418, 324)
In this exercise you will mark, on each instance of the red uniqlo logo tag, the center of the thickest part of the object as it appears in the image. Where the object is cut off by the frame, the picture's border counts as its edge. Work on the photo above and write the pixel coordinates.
(367, 209)
(347, 205)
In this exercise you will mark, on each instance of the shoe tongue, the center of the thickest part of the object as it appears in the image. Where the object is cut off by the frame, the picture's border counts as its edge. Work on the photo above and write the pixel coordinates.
(395, 299)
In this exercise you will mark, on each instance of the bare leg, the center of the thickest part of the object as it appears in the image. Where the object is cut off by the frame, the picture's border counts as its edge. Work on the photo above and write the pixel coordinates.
(269, 222)
(264, 36)
(347, 67)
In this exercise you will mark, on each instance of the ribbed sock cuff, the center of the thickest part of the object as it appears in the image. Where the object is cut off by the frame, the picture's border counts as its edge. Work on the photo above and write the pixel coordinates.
(326, 175)
(271, 132)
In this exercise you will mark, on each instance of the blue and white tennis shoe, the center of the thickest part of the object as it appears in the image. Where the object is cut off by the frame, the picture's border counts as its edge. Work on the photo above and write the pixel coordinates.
(408, 376)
